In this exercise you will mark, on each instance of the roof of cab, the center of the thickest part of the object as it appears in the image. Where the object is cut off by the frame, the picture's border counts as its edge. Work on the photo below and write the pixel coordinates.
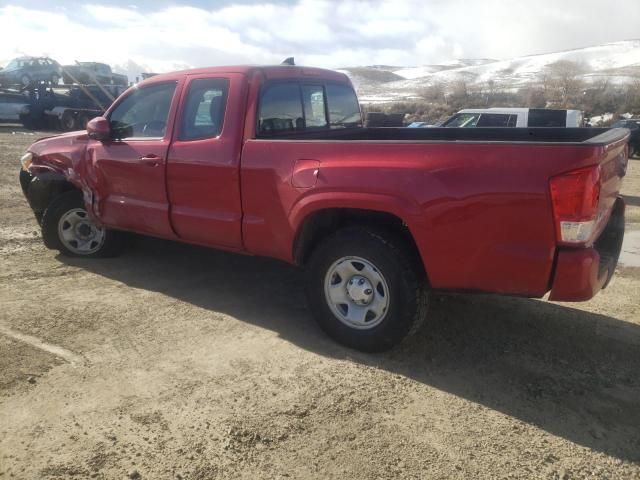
(269, 71)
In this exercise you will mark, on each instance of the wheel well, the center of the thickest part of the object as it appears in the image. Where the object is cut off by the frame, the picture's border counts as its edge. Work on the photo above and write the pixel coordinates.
(45, 188)
(319, 225)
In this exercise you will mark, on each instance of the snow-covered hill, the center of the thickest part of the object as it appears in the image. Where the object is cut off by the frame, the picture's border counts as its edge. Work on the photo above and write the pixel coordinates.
(618, 62)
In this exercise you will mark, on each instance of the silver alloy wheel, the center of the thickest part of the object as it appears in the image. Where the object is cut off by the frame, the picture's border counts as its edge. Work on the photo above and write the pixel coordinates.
(356, 292)
(78, 233)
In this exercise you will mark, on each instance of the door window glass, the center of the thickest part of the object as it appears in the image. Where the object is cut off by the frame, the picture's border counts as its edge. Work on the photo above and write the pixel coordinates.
(143, 113)
(204, 108)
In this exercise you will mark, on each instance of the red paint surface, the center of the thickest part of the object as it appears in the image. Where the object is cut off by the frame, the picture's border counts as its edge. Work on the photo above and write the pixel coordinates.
(480, 214)
(576, 278)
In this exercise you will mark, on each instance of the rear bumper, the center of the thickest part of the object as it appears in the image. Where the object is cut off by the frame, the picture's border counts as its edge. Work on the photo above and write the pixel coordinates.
(581, 273)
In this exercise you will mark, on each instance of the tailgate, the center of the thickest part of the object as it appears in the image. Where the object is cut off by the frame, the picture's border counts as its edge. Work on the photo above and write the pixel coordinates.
(614, 157)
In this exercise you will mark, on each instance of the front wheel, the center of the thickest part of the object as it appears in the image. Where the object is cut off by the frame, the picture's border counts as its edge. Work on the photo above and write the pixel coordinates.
(67, 227)
(366, 290)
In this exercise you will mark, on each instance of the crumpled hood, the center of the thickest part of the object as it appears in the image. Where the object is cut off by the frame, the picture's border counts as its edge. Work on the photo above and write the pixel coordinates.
(59, 152)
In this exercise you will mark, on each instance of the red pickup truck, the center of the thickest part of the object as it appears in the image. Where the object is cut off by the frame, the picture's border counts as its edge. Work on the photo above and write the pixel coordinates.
(275, 161)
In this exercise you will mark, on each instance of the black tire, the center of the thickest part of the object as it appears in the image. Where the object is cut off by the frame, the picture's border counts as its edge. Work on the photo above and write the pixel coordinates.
(31, 122)
(68, 121)
(113, 240)
(81, 121)
(407, 285)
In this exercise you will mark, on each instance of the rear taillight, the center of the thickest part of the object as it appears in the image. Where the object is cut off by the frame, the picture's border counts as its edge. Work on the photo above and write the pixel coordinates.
(575, 196)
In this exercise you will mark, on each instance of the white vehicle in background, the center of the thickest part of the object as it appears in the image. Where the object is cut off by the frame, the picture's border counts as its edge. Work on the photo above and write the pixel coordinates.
(515, 118)
(12, 105)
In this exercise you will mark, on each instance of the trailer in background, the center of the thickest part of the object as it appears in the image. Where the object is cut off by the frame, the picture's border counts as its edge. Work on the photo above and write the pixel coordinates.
(60, 107)
(48, 105)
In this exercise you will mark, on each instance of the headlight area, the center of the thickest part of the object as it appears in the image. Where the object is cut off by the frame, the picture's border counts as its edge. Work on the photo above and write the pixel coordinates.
(26, 161)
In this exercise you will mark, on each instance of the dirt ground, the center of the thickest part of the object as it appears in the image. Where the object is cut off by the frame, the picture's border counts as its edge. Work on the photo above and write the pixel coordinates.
(174, 361)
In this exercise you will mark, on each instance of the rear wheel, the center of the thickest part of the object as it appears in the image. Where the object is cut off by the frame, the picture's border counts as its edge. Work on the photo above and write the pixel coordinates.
(365, 291)
(67, 227)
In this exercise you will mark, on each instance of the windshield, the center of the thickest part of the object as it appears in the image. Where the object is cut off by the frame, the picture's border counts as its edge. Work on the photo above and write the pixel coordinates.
(14, 64)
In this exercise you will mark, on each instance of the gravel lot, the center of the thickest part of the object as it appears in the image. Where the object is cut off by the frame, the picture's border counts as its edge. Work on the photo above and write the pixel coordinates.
(175, 361)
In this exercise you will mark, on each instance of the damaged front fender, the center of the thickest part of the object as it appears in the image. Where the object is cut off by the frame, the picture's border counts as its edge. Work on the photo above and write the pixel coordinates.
(59, 164)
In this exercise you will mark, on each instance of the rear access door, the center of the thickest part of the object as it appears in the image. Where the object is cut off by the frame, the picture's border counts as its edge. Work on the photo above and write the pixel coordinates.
(203, 170)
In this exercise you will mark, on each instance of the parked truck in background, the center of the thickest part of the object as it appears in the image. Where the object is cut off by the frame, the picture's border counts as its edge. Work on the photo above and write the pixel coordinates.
(62, 107)
(91, 73)
(633, 124)
(275, 161)
(30, 92)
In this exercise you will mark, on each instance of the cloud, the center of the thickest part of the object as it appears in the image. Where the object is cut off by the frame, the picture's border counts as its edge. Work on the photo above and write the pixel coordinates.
(317, 32)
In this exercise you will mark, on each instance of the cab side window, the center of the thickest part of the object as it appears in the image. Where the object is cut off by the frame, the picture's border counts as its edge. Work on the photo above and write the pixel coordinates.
(204, 108)
(463, 120)
(297, 107)
(143, 113)
(497, 120)
(280, 110)
(343, 106)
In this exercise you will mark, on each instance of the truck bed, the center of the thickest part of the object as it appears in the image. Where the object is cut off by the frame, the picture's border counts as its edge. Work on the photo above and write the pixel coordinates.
(477, 198)
(591, 136)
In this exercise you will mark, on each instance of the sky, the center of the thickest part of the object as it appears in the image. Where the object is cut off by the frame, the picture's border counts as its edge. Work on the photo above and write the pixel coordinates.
(163, 35)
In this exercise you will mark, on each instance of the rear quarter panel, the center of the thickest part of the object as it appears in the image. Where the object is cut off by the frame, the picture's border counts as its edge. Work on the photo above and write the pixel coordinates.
(480, 213)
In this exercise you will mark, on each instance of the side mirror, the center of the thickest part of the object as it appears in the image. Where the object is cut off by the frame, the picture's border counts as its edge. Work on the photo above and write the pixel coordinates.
(98, 128)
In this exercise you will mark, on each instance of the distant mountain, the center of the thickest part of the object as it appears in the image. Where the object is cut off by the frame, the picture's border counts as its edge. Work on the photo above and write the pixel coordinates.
(617, 62)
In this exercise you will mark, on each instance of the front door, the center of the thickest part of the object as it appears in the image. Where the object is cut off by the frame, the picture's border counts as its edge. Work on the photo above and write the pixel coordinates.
(129, 168)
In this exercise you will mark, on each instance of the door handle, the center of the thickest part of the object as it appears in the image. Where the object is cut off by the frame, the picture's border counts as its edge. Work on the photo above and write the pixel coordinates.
(151, 160)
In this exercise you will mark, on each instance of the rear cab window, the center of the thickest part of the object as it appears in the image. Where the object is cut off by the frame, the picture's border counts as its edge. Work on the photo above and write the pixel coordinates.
(296, 107)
